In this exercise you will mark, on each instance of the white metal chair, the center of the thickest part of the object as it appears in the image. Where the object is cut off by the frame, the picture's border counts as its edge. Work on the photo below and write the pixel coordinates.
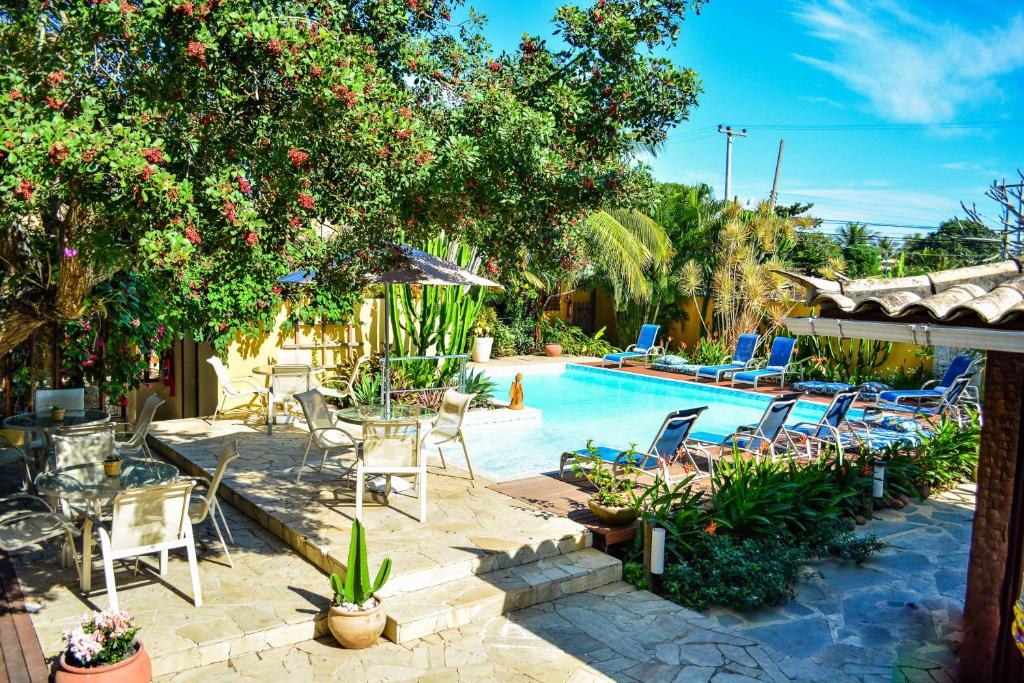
(81, 445)
(285, 382)
(135, 440)
(347, 382)
(207, 506)
(391, 447)
(149, 520)
(447, 427)
(234, 388)
(27, 528)
(323, 432)
(68, 399)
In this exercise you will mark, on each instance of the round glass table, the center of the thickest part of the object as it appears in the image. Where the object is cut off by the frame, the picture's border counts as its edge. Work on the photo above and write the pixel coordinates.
(89, 484)
(374, 412)
(287, 369)
(41, 421)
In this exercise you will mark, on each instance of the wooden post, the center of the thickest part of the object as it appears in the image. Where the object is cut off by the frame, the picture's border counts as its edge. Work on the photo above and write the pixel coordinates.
(645, 528)
(997, 538)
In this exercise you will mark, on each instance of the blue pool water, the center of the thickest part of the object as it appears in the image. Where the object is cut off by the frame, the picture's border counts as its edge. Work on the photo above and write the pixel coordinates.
(612, 408)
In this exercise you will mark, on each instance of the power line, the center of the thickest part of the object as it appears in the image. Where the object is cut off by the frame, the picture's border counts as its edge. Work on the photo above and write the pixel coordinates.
(880, 126)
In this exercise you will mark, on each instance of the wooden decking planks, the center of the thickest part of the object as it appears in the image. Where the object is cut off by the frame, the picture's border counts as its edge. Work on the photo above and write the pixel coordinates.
(21, 657)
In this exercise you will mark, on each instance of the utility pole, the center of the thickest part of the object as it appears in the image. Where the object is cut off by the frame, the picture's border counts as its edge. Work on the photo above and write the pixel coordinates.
(775, 183)
(729, 134)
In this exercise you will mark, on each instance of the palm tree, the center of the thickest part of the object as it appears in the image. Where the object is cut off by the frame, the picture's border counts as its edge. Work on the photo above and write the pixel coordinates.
(853, 234)
(625, 246)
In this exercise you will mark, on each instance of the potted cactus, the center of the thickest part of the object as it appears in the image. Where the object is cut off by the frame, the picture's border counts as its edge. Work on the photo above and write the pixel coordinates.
(357, 614)
(57, 413)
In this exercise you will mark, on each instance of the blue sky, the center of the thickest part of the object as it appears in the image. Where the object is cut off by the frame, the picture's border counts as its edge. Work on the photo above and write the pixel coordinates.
(934, 89)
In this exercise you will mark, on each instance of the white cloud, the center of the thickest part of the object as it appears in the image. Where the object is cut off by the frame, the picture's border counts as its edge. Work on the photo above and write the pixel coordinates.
(873, 205)
(907, 67)
(816, 99)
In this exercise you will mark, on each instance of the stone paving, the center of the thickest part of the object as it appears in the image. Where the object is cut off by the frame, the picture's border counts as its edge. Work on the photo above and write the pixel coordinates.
(902, 607)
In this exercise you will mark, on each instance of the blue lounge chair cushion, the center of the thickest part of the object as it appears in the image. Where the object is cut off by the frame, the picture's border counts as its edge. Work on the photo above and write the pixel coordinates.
(617, 357)
(821, 388)
(881, 438)
(611, 455)
(915, 393)
(670, 359)
(894, 423)
(869, 391)
(751, 375)
(714, 370)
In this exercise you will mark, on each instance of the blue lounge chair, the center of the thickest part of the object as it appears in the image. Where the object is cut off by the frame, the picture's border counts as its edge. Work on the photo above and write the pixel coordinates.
(777, 366)
(760, 439)
(668, 445)
(933, 389)
(948, 404)
(644, 347)
(832, 429)
(746, 345)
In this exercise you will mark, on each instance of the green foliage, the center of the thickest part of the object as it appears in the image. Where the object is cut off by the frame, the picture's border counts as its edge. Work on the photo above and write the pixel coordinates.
(957, 242)
(574, 341)
(356, 588)
(482, 386)
(742, 573)
(367, 387)
(101, 639)
(679, 509)
(950, 454)
(862, 260)
(839, 541)
(633, 573)
(813, 251)
(709, 350)
(515, 328)
(844, 360)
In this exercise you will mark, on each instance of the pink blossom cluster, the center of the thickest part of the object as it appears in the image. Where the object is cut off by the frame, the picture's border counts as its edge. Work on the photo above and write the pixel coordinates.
(95, 631)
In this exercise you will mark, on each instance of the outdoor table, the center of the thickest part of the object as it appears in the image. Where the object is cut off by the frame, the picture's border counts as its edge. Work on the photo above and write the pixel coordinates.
(42, 423)
(267, 371)
(89, 484)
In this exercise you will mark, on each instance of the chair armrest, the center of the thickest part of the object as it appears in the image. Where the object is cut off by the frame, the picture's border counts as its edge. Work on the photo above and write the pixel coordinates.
(930, 383)
(198, 481)
(354, 439)
(27, 496)
(252, 383)
(629, 348)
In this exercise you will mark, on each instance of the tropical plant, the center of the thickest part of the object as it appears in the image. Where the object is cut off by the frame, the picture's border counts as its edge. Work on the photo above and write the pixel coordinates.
(844, 360)
(366, 390)
(709, 350)
(613, 483)
(356, 589)
(481, 386)
(678, 509)
(575, 341)
(950, 453)
(853, 234)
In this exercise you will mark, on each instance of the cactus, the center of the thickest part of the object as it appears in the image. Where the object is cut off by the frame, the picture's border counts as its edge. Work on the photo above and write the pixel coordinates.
(356, 588)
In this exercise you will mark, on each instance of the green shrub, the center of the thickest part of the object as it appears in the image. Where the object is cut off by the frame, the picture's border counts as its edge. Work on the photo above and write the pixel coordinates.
(742, 573)
(950, 454)
(482, 386)
(574, 341)
(633, 573)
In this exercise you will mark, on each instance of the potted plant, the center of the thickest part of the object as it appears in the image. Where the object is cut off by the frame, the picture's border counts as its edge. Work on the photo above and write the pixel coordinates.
(552, 350)
(483, 341)
(610, 502)
(103, 648)
(357, 614)
(57, 413)
(112, 465)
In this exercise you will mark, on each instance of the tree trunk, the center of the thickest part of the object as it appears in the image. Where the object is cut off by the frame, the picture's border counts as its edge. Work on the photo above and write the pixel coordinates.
(15, 328)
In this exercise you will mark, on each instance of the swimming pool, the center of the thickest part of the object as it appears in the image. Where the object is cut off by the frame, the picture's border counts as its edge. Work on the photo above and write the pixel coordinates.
(612, 408)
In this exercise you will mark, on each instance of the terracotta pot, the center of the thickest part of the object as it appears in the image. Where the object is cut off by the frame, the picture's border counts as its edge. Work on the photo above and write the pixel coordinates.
(552, 350)
(924, 489)
(612, 515)
(135, 669)
(57, 415)
(112, 468)
(356, 630)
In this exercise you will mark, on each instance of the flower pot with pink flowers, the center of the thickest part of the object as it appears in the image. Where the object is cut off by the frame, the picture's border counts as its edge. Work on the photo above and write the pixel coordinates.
(103, 648)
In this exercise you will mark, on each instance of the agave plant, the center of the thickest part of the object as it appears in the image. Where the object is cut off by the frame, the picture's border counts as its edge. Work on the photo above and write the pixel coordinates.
(355, 588)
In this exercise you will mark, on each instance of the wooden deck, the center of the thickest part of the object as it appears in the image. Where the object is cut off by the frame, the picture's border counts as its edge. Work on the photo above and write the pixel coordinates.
(21, 657)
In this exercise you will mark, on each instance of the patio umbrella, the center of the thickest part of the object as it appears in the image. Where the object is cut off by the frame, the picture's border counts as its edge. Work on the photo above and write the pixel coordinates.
(416, 268)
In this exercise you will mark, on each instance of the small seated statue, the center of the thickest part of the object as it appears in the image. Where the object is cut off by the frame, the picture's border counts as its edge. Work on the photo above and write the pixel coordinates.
(516, 394)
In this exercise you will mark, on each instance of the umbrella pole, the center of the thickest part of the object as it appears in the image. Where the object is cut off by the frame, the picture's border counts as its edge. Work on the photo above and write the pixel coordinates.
(386, 383)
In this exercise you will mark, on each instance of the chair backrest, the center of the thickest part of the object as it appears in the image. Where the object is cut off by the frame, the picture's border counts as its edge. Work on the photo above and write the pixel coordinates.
(674, 431)
(145, 419)
(68, 399)
(352, 378)
(648, 336)
(82, 445)
(782, 353)
(961, 364)
(150, 515)
(774, 418)
(746, 346)
(314, 408)
(227, 455)
(288, 380)
(953, 393)
(222, 375)
(453, 409)
(294, 357)
(836, 412)
(391, 443)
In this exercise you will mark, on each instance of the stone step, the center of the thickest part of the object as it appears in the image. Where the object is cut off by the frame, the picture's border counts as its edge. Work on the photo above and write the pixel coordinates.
(417, 614)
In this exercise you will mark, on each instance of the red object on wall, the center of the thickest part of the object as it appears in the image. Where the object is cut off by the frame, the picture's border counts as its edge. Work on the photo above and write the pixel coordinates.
(167, 367)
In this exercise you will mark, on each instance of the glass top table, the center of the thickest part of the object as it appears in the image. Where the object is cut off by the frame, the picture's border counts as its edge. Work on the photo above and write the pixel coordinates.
(41, 421)
(375, 413)
(89, 481)
(269, 369)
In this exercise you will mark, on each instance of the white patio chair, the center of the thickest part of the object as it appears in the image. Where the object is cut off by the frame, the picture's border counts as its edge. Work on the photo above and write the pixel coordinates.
(85, 444)
(285, 382)
(347, 382)
(447, 427)
(391, 447)
(234, 388)
(134, 441)
(149, 520)
(68, 399)
(9, 453)
(207, 506)
(23, 527)
(323, 432)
